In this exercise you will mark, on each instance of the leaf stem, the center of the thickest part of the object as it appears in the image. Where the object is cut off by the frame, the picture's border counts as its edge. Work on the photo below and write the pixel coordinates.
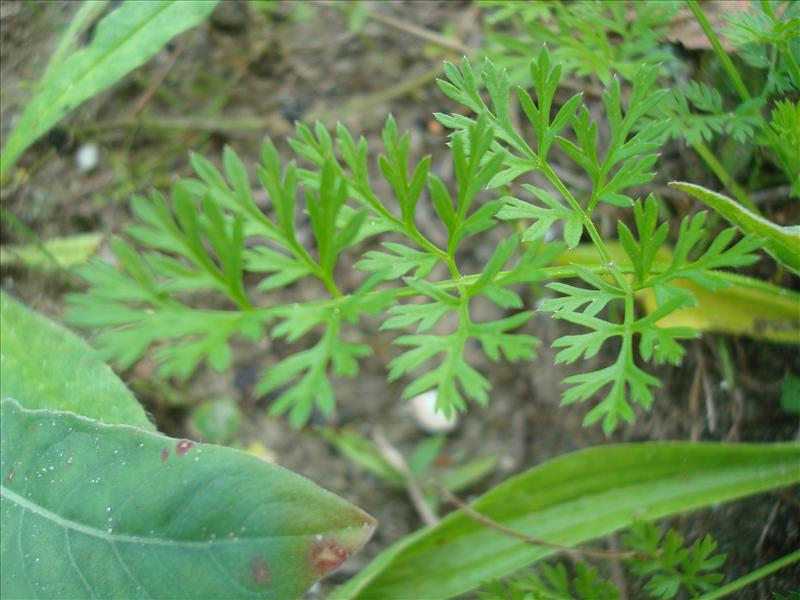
(411, 232)
(597, 240)
(725, 178)
(549, 273)
(713, 38)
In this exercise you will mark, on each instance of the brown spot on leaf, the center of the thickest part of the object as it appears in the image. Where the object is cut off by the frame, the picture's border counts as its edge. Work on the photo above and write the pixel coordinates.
(182, 447)
(260, 572)
(164, 454)
(326, 555)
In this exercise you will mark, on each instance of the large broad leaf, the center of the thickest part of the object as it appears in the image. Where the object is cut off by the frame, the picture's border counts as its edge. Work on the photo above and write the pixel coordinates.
(570, 500)
(45, 366)
(783, 243)
(91, 510)
(123, 40)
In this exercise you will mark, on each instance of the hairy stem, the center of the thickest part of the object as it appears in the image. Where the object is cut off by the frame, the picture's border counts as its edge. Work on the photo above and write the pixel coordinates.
(713, 38)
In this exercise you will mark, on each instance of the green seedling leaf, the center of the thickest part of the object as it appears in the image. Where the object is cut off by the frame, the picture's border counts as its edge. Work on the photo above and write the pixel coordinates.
(790, 394)
(783, 243)
(217, 420)
(363, 452)
(570, 500)
(425, 453)
(52, 254)
(113, 511)
(464, 476)
(44, 365)
(122, 41)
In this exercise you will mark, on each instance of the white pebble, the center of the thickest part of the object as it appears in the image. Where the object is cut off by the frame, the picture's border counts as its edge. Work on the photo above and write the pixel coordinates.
(423, 409)
(87, 157)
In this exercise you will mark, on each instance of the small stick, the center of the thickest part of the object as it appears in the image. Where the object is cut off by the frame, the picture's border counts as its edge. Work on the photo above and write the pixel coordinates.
(694, 403)
(617, 575)
(422, 33)
(394, 458)
(533, 541)
(159, 79)
(770, 520)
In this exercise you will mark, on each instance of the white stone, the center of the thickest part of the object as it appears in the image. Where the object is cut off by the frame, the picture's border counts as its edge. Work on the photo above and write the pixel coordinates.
(423, 409)
(87, 157)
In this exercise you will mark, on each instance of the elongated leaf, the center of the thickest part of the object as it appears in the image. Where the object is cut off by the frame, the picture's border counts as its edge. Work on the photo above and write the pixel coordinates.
(110, 511)
(747, 306)
(783, 243)
(43, 365)
(123, 40)
(767, 313)
(54, 253)
(570, 500)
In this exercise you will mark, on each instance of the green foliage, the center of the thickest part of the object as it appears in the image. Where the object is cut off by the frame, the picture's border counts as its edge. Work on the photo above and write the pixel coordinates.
(420, 464)
(123, 40)
(569, 500)
(215, 233)
(700, 115)
(671, 566)
(323, 214)
(213, 523)
(757, 32)
(663, 563)
(591, 37)
(617, 37)
(790, 394)
(53, 254)
(552, 584)
(783, 243)
(625, 163)
(43, 365)
(95, 503)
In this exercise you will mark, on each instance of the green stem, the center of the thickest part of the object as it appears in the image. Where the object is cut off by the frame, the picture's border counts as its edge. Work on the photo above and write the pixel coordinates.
(548, 274)
(724, 177)
(753, 576)
(412, 232)
(791, 63)
(727, 64)
(575, 205)
(326, 278)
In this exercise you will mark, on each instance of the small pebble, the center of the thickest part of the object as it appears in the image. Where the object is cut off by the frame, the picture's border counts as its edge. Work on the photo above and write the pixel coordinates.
(423, 409)
(87, 157)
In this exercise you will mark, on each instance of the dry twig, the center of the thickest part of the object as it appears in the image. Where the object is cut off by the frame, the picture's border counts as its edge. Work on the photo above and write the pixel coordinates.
(533, 541)
(393, 456)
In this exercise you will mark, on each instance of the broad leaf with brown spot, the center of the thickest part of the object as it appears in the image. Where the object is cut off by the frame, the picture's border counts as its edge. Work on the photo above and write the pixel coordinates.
(91, 510)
